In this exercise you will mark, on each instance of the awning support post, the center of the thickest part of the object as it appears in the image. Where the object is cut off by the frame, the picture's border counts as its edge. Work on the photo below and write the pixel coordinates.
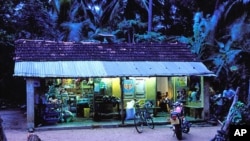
(30, 104)
(122, 101)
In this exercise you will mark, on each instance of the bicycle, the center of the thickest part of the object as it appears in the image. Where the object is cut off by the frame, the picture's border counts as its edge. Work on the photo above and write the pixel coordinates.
(143, 117)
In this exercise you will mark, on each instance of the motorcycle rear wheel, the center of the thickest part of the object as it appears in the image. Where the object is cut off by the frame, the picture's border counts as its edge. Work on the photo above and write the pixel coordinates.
(178, 132)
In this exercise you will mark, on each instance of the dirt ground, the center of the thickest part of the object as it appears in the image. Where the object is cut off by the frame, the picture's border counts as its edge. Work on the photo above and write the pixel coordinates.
(15, 129)
(160, 133)
(13, 119)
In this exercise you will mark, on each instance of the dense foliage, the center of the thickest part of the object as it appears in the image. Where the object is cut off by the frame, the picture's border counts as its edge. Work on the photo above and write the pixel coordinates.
(240, 114)
(217, 31)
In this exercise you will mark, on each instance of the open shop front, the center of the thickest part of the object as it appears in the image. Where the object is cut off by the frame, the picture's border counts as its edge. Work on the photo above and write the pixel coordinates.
(95, 81)
(97, 99)
(67, 100)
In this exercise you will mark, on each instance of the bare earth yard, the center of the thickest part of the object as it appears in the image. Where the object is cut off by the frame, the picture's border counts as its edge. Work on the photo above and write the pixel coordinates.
(15, 129)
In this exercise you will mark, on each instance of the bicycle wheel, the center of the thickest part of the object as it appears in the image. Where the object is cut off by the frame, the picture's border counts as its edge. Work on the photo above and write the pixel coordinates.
(150, 121)
(138, 122)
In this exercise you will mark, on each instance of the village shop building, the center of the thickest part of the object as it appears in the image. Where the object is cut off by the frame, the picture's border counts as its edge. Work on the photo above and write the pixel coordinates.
(101, 78)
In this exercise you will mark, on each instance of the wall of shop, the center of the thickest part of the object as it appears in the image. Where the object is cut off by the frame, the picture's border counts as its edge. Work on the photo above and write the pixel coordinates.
(140, 88)
(116, 87)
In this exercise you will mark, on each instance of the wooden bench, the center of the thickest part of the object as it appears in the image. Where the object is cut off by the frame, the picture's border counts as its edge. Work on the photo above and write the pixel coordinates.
(154, 110)
(194, 111)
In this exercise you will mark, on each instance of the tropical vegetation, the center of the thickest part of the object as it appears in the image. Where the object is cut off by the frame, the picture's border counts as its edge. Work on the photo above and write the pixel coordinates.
(217, 31)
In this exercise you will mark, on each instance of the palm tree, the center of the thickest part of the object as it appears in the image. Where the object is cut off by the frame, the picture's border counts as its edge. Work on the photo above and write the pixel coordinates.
(220, 40)
(85, 19)
(150, 14)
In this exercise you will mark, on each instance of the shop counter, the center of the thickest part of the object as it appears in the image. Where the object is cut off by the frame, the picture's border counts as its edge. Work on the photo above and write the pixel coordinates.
(106, 110)
(50, 113)
(80, 108)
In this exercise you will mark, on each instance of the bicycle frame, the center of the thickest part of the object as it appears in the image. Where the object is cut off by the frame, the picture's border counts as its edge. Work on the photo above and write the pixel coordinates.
(143, 118)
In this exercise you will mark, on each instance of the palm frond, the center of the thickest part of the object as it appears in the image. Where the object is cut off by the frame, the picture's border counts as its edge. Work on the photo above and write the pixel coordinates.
(56, 5)
(231, 56)
(84, 8)
(143, 3)
(230, 7)
(74, 10)
(110, 10)
(237, 29)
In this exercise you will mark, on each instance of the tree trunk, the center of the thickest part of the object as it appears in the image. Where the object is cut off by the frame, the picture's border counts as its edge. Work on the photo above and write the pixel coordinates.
(248, 96)
(150, 11)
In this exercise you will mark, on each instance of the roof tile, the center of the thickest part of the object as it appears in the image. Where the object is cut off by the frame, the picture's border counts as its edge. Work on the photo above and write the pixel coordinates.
(40, 50)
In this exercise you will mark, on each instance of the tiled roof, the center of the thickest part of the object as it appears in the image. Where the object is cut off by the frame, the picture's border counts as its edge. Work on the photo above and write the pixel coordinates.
(40, 50)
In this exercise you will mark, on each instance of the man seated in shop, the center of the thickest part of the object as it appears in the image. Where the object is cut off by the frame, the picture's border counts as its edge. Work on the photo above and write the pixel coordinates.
(52, 100)
(64, 96)
(163, 103)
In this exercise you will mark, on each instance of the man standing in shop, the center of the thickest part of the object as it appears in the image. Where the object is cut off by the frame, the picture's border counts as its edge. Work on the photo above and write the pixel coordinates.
(219, 105)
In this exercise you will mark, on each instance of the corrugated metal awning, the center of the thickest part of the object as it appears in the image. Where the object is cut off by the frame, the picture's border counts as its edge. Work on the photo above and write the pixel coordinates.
(74, 69)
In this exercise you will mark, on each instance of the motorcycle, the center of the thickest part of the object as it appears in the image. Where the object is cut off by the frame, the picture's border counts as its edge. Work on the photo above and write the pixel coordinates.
(177, 119)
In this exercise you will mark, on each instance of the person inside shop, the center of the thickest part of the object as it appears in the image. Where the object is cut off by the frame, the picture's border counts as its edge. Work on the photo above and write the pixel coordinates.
(64, 96)
(163, 104)
(158, 97)
(168, 102)
(181, 96)
(212, 93)
(52, 99)
(178, 94)
(193, 95)
(219, 103)
(66, 115)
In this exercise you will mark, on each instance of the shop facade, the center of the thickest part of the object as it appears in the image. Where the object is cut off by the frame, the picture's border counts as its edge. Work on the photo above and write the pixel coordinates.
(97, 80)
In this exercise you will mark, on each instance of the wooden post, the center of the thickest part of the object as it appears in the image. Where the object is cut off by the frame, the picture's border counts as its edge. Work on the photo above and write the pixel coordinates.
(248, 95)
(122, 101)
(30, 103)
(206, 104)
